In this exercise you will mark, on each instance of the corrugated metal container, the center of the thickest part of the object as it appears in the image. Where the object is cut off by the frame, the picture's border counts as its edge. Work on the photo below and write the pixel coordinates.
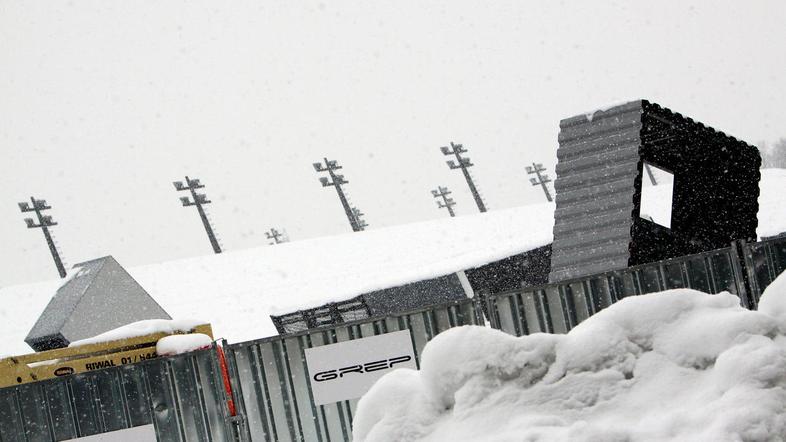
(601, 159)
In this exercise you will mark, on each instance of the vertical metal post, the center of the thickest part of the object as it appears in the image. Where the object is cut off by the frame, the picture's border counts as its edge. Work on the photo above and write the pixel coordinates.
(447, 202)
(362, 224)
(336, 180)
(463, 164)
(198, 200)
(44, 222)
(541, 179)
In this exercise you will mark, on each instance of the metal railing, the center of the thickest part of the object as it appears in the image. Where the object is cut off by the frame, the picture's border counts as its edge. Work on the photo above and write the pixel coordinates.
(329, 314)
(764, 261)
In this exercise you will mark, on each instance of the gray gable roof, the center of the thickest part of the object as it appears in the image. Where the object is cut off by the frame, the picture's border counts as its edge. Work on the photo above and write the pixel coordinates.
(99, 296)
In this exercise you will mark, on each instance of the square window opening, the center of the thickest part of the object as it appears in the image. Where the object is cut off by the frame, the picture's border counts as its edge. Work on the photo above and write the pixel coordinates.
(657, 193)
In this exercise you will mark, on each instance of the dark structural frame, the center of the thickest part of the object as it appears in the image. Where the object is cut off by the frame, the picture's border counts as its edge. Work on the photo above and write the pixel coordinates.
(601, 160)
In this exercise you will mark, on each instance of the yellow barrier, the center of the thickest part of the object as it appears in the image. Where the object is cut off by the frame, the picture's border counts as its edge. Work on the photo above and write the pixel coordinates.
(15, 370)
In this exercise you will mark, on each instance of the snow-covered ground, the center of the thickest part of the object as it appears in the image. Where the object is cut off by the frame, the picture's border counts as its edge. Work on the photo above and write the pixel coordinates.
(141, 328)
(673, 366)
(236, 291)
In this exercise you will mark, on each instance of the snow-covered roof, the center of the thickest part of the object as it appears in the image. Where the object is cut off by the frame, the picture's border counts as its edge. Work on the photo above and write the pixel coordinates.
(96, 295)
(237, 291)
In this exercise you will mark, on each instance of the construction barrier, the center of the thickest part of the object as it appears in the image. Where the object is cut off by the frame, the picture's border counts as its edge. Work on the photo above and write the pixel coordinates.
(742, 269)
(272, 380)
(182, 397)
(263, 390)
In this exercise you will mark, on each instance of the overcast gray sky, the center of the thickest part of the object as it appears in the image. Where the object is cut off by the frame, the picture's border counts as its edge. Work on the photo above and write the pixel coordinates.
(104, 103)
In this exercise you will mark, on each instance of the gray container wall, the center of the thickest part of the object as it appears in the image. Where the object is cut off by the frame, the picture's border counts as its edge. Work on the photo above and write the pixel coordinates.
(764, 261)
(743, 269)
(272, 384)
(182, 396)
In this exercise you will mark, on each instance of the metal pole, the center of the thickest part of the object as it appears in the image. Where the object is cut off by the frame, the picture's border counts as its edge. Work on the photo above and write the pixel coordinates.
(44, 223)
(464, 164)
(52, 249)
(342, 198)
(473, 189)
(208, 228)
(198, 200)
(55, 255)
(358, 215)
(446, 202)
(450, 210)
(537, 168)
(545, 188)
(336, 180)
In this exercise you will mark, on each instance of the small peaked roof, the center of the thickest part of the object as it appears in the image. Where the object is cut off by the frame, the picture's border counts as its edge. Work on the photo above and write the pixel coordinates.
(98, 296)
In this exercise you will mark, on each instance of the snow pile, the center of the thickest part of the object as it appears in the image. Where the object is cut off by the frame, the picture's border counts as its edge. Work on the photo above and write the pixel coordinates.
(678, 365)
(141, 328)
(177, 344)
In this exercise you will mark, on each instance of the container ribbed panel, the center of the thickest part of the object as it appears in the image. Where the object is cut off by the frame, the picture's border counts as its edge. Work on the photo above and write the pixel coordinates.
(598, 163)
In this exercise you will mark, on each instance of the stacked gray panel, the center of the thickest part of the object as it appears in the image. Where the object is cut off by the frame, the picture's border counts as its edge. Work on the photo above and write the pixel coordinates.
(598, 160)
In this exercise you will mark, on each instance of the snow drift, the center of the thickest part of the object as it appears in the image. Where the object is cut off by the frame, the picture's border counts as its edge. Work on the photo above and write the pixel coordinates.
(141, 328)
(678, 365)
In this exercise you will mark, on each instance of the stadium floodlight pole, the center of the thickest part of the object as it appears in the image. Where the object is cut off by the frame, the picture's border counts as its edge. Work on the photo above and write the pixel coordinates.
(276, 236)
(541, 180)
(198, 200)
(44, 223)
(463, 164)
(337, 180)
(447, 202)
(362, 224)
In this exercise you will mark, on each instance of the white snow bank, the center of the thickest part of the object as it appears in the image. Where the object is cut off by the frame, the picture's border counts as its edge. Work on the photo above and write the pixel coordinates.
(673, 366)
(141, 328)
(177, 344)
(773, 300)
